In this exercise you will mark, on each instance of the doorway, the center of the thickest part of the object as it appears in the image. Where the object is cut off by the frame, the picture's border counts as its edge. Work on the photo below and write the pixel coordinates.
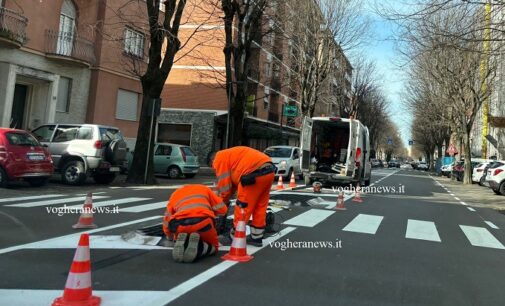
(19, 106)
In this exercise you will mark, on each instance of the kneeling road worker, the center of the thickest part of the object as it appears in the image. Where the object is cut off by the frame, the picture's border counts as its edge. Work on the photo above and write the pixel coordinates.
(250, 173)
(189, 220)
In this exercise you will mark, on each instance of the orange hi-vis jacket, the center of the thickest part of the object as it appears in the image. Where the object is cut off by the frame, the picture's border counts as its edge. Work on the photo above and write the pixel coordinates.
(231, 164)
(193, 201)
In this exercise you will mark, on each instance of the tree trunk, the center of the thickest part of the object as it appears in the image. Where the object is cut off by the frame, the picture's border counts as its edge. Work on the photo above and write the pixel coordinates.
(136, 173)
(237, 118)
(468, 159)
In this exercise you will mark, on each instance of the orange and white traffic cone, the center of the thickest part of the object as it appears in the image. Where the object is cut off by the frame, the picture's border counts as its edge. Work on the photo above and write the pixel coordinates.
(280, 185)
(292, 182)
(238, 249)
(357, 198)
(340, 202)
(86, 217)
(78, 290)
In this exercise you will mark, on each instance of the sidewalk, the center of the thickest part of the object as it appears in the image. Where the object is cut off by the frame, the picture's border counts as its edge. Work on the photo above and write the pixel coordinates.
(473, 195)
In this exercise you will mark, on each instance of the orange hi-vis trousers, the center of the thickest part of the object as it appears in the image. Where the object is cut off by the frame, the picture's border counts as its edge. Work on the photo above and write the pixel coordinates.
(204, 227)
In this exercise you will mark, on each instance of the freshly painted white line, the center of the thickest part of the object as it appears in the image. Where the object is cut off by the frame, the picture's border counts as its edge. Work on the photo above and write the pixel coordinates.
(145, 207)
(479, 236)
(422, 230)
(470, 209)
(463, 203)
(457, 199)
(491, 225)
(45, 196)
(310, 218)
(53, 202)
(76, 235)
(178, 291)
(95, 242)
(452, 194)
(367, 224)
(112, 202)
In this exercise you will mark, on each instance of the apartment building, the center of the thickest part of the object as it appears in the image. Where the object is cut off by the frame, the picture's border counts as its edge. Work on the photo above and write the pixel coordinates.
(71, 61)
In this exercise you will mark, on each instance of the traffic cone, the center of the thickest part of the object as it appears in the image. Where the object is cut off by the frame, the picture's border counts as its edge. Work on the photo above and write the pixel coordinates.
(280, 185)
(292, 182)
(78, 290)
(86, 218)
(357, 198)
(340, 202)
(238, 249)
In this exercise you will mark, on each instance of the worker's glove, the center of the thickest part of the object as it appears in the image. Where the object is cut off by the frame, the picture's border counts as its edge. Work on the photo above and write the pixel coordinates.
(241, 204)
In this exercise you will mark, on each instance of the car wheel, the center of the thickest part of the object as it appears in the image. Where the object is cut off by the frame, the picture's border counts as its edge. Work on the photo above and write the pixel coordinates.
(37, 182)
(174, 172)
(190, 175)
(3, 178)
(501, 189)
(73, 173)
(481, 181)
(104, 179)
(288, 177)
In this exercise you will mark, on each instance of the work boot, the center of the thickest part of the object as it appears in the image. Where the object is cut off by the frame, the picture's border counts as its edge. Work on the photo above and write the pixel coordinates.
(258, 242)
(178, 251)
(205, 249)
(192, 248)
(226, 239)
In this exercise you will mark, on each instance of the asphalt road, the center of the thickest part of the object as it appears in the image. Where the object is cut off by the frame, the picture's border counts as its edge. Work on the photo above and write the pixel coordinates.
(418, 245)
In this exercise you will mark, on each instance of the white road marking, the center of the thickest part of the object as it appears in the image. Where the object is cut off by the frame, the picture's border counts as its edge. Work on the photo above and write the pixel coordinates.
(422, 230)
(367, 224)
(310, 218)
(95, 242)
(452, 194)
(145, 207)
(470, 209)
(45, 196)
(491, 225)
(76, 235)
(176, 292)
(305, 193)
(457, 199)
(112, 202)
(463, 203)
(53, 202)
(479, 236)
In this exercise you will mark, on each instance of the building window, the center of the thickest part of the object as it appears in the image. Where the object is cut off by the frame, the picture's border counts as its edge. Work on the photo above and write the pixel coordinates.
(127, 105)
(268, 70)
(174, 133)
(65, 42)
(134, 43)
(64, 89)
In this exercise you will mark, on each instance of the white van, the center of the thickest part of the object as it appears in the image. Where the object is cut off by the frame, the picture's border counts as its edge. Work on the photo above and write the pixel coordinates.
(335, 151)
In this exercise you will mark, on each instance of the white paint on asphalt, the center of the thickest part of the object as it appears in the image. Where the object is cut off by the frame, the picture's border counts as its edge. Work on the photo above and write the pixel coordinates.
(53, 202)
(304, 193)
(185, 287)
(470, 209)
(112, 202)
(463, 203)
(95, 242)
(45, 196)
(457, 199)
(77, 235)
(479, 236)
(491, 225)
(422, 230)
(310, 218)
(144, 207)
(367, 224)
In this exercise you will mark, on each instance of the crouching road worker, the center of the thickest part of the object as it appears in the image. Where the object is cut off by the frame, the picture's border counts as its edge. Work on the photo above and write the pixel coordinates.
(252, 173)
(189, 219)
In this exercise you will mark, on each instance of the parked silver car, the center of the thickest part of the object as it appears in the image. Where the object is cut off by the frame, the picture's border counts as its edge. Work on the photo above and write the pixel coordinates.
(79, 150)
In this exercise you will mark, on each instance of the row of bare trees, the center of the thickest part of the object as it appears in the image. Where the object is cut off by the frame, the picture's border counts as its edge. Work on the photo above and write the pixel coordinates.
(451, 50)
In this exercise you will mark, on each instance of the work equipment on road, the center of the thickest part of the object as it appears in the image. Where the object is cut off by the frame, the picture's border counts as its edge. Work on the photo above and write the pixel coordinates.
(280, 184)
(238, 249)
(292, 182)
(78, 290)
(317, 186)
(340, 202)
(86, 217)
(357, 198)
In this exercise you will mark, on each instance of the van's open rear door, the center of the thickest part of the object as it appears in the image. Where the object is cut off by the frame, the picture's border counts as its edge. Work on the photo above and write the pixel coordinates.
(351, 150)
(305, 140)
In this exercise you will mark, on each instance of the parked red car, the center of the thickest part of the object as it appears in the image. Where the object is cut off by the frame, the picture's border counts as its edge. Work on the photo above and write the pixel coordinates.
(23, 157)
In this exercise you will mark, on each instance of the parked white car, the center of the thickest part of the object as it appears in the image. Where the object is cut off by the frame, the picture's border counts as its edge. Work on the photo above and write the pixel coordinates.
(478, 173)
(422, 166)
(496, 179)
(286, 159)
(446, 170)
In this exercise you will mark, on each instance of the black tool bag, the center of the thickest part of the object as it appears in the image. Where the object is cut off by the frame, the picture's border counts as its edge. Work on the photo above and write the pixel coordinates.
(250, 179)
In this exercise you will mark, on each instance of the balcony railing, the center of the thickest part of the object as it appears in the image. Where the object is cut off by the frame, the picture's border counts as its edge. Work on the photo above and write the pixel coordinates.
(68, 45)
(13, 26)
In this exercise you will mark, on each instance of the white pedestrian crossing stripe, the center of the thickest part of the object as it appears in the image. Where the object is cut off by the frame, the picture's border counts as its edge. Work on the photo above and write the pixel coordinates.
(145, 207)
(422, 230)
(53, 202)
(479, 236)
(310, 218)
(45, 196)
(367, 224)
(113, 202)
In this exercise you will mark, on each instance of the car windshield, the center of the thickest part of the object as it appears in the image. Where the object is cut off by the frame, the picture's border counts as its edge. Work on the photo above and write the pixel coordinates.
(278, 152)
(109, 134)
(22, 139)
(188, 151)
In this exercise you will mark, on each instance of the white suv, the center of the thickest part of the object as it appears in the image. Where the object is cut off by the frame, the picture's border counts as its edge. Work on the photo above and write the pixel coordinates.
(496, 179)
(478, 173)
(286, 159)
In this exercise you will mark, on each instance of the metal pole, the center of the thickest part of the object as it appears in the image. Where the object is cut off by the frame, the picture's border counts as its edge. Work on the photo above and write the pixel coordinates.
(282, 117)
(230, 84)
(149, 142)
